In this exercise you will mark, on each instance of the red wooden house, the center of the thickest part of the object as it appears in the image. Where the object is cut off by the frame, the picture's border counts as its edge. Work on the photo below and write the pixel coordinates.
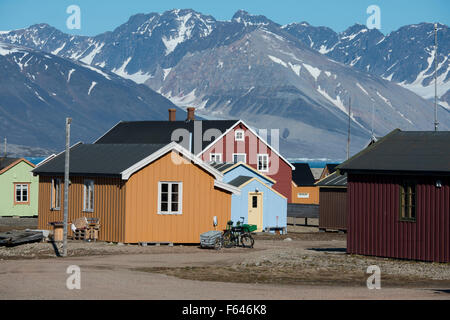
(241, 143)
(399, 197)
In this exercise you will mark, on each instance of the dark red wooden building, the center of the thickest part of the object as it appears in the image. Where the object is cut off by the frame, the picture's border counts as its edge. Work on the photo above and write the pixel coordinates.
(399, 197)
(333, 202)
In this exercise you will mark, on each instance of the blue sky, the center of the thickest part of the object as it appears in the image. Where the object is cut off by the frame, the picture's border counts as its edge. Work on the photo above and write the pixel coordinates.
(98, 16)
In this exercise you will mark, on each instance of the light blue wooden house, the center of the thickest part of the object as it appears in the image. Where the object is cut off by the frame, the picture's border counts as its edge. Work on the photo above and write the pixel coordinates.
(258, 202)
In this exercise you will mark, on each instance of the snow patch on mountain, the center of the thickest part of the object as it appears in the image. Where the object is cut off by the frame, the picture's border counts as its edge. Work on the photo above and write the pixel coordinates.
(58, 50)
(5, 50)
(138, 77)
(70, 74)
(97, 70)
(91, 87)
(277, 60)
(166, 73)
(183, 33)
(97, 49)
(362, 89)
(315, 72)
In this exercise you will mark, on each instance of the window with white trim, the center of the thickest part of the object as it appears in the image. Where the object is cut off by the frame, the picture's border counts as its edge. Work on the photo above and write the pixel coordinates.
(56, 194)
(303, 195)
(239, 135)
(170, 195)
(88, 203)
(239, 157)
(215, 157)
(21, 193)
(263, 162)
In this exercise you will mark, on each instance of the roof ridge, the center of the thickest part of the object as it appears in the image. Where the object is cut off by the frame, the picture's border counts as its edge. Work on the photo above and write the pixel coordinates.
(367, 149)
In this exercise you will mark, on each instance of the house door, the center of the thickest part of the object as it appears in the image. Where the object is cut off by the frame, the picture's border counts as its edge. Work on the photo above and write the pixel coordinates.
(255, 209)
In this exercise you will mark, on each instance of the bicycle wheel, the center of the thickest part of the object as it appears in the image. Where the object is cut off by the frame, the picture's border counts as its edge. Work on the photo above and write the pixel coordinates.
(227, 241)
(247, 240)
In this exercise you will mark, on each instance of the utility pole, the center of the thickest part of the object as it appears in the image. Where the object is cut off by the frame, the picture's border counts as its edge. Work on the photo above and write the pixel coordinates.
(66, 186)
(6, 143)
(436, 123)
(349, 123)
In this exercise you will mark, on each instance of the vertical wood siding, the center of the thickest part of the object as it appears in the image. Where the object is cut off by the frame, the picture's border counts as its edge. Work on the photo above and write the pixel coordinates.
(109, 205)
(333, 208)
(279, 170)
(201, 202)
(374, 227)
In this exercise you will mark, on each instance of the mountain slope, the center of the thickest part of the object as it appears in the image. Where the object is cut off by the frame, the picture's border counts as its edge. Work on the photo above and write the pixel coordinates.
(40, 90)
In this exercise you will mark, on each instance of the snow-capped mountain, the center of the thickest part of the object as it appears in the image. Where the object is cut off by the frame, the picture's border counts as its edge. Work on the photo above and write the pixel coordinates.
(298, 78)
(134, 50)
(39, 90)
(405, 56)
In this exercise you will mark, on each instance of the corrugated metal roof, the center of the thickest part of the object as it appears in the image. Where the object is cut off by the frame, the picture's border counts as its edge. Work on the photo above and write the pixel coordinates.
(239, 181)
(99, 159)
(160, 132)
(4, 162)
(333, 180)
(409, 151)
(222, 166)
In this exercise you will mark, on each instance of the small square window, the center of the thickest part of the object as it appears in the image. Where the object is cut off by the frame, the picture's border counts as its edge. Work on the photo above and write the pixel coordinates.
(215, 157)
(239, 135)
(239, 157)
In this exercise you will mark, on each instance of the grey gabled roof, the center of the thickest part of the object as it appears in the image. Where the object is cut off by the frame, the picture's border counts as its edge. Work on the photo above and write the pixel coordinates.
(5, 162)
(240, 180)
(222, 166)
(99, 159)
(404, 151)
(160, 132)
(333, 180)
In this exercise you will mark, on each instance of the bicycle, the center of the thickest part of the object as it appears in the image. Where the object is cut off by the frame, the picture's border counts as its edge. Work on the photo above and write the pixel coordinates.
(239, 235)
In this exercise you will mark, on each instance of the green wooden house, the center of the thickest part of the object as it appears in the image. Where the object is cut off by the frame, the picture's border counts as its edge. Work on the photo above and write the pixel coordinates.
(18, 188)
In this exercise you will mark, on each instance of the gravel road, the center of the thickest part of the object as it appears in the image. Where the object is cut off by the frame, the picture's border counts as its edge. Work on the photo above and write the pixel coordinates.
(309, 266)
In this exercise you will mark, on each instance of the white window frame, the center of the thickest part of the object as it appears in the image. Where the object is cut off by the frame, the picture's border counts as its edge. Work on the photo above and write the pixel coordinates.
(303, 195)
(236, 135)
(169, 198)
(87, 194)
(240, 154)
(215, 155)
(257, 162)
(53, 194)
(21, 185)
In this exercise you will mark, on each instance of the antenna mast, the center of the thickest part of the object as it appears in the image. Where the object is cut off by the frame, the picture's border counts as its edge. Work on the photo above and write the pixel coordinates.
(436, 123)
(349, 123)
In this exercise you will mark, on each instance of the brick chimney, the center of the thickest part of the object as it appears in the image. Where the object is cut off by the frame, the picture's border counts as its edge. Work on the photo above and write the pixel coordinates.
(172, 113)
(190, 114)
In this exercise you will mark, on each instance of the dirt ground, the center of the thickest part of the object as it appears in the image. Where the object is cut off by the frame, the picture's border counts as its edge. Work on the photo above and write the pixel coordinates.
(301, 265)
